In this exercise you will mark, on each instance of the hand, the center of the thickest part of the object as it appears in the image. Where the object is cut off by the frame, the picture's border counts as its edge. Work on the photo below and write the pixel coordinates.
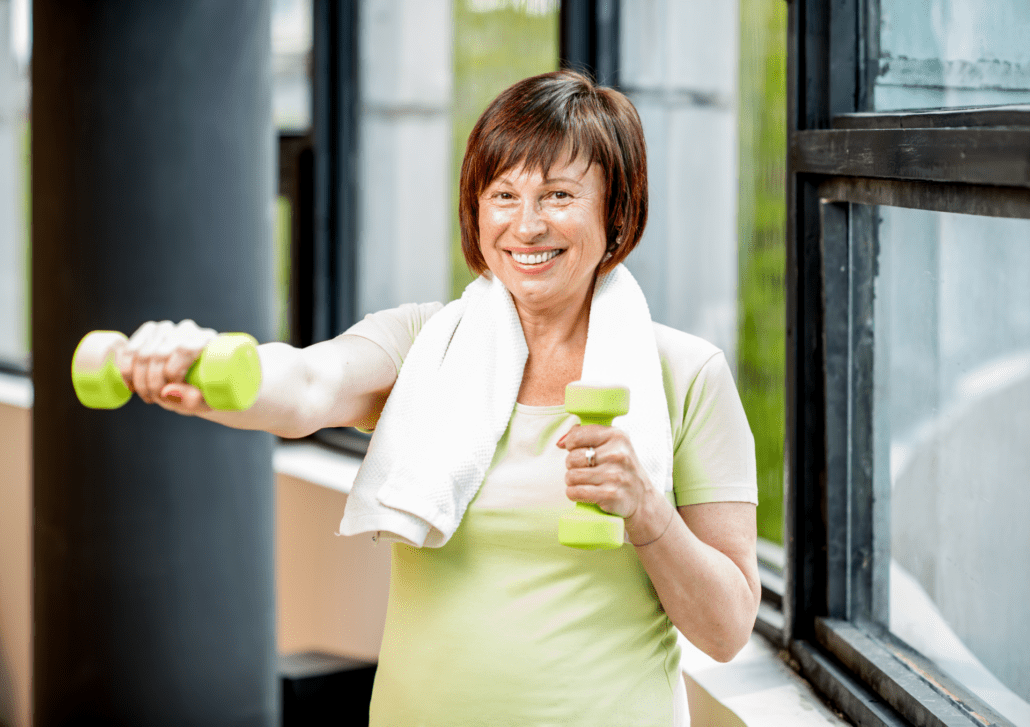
(155, 360)
(617, 483)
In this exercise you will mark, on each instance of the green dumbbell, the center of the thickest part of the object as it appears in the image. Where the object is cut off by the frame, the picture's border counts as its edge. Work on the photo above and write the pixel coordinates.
(588, 527)
(227, 372)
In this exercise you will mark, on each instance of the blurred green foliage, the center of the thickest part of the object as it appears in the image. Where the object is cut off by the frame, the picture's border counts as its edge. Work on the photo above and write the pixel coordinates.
(492, 50)
(283, 226)
(761, 345)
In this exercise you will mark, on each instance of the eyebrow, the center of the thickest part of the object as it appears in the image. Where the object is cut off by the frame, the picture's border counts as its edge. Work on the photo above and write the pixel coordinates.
(549, 180)
(552, 180)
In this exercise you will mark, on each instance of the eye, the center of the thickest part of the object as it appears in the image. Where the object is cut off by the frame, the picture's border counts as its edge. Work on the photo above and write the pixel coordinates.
(561, 194)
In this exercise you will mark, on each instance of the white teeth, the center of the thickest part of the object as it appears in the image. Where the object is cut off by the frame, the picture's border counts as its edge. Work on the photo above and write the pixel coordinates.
(534, 259)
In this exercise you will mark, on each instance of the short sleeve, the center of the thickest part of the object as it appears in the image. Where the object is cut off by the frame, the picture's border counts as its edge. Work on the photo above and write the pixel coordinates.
(714, 457)
(395, 329)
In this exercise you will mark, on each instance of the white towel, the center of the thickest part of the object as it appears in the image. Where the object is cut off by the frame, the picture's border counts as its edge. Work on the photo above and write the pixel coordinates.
(456, 392)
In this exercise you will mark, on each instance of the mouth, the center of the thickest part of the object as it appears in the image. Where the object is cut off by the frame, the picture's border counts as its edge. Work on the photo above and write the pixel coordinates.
(536, 260)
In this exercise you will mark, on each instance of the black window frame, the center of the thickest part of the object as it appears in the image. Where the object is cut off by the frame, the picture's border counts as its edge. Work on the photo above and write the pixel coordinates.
(843, 160)
(318, 174)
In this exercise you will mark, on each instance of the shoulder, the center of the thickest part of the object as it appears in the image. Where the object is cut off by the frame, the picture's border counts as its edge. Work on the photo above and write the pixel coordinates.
(395, 329)
(684, 355)
(696, 376)
(409, 317)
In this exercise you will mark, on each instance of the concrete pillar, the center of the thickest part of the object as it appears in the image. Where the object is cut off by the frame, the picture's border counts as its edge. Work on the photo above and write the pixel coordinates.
(153, 198)
(678, 65)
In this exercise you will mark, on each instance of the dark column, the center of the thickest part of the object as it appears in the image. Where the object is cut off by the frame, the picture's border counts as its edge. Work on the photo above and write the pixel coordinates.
(152, 189)
(588, 38)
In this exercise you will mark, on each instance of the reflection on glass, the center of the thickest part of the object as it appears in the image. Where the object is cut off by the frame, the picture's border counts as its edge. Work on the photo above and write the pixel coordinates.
(496, 43)
(952, 53)
(291, 51)
(952, 427)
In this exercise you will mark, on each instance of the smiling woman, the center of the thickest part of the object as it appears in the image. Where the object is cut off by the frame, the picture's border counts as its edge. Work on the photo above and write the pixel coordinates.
(489, 613)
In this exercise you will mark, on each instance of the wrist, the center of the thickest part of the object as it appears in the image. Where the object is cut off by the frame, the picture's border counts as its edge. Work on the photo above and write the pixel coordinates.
(651, 520)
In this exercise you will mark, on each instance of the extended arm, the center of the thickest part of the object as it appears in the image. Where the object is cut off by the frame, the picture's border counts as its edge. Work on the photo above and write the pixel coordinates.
(342, 382)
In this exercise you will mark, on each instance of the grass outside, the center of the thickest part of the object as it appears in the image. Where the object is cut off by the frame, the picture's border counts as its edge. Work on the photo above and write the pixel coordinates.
(761, 344)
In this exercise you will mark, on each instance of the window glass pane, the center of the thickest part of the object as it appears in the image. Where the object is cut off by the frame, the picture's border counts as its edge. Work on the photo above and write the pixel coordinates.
(291, 57)
(952, 53)
(496, 43)
(15, 293)
(761, 352)
(952, 426)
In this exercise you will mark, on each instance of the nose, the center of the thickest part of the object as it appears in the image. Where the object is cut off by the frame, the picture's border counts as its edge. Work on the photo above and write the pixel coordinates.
(531, 223)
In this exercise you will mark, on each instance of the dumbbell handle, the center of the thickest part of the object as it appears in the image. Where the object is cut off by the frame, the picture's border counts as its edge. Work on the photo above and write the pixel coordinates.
(588, 527)
(227, 372)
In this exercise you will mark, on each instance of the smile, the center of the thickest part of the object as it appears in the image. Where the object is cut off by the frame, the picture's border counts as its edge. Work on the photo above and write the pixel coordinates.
(535, 259)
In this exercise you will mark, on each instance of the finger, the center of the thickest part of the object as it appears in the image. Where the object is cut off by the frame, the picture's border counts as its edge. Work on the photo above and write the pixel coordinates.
(186, 353)
(155, 376)
(148, 377)
(193, 399)
(126, 356)
(183, 399)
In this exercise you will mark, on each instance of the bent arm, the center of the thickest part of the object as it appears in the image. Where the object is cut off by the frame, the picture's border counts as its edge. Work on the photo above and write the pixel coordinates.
(342, 382)
(705, 572)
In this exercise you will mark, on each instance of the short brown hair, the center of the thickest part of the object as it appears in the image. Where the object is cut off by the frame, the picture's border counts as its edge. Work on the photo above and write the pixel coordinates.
(533, 124)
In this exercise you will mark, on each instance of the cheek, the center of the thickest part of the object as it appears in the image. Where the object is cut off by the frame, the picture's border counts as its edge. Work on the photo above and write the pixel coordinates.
(490, 223)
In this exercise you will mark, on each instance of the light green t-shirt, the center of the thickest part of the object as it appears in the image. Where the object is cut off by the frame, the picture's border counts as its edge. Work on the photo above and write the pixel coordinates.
(505, 626)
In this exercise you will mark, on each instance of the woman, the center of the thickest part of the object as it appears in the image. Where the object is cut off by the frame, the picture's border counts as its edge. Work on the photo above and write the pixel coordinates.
(494, 622)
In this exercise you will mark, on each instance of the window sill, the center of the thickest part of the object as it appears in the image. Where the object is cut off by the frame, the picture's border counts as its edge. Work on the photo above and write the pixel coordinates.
(755, 689)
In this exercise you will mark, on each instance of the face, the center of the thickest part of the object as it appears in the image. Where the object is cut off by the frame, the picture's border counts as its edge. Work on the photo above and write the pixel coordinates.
(523, 212)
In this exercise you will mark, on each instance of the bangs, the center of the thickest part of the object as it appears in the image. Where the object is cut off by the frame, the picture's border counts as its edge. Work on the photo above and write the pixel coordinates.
(540, 142)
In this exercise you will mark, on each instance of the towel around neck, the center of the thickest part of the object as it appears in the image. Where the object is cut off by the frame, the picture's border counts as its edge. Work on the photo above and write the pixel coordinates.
(455, 395)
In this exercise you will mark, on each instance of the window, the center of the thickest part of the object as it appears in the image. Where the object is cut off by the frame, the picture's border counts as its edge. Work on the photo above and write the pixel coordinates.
(291, 112)
(15, 250)
(908, 358)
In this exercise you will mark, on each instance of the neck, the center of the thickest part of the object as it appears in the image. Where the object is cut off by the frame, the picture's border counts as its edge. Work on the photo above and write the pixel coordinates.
(556, 328)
